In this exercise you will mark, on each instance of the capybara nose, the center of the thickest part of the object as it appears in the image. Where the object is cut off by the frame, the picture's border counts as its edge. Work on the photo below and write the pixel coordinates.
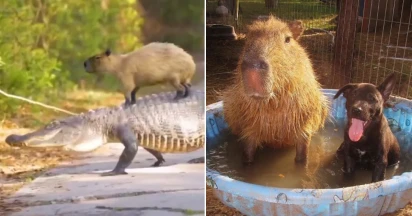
(256, 64)
(85, 64)
(356, 110)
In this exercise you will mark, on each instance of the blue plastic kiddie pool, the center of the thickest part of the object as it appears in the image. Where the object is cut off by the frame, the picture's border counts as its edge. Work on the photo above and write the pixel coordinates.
(368, 199)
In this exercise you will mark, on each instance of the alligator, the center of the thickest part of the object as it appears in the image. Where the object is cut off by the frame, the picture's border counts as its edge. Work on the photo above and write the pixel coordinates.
(156, 122)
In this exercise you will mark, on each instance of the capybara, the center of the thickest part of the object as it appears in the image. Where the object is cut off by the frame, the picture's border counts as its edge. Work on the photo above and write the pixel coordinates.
(368, 139)
(154, 63)
(275, 99)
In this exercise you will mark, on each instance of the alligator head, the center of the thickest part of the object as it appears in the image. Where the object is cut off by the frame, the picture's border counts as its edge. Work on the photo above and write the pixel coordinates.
(71, 134)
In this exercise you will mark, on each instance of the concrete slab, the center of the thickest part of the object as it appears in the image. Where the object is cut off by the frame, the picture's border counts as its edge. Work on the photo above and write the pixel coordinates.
(76, 188)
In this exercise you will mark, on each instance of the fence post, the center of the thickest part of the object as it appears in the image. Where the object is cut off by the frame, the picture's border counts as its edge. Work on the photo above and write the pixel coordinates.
(345, 42)
(236, 14)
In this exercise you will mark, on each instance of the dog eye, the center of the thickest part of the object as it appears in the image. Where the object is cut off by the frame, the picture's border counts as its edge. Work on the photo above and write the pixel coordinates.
(372, 98)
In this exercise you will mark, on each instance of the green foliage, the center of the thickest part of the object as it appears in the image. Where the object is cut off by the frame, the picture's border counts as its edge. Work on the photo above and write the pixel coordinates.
(43, 44)
(183, 22)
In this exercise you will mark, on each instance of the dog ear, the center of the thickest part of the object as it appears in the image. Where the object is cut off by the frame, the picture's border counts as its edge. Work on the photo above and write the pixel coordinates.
(345, 90)
(386, 87)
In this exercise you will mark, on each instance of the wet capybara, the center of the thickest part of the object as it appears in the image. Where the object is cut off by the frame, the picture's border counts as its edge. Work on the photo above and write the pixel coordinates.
(275, 99)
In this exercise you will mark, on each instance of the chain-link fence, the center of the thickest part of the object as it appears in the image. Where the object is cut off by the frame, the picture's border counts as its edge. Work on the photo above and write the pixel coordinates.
(348, 41)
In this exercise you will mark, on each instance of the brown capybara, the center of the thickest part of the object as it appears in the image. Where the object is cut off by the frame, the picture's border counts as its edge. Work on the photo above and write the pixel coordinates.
(275, 99)
(154, 63)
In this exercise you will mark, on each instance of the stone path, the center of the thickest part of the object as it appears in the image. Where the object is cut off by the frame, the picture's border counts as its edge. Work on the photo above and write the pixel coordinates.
(76, 188)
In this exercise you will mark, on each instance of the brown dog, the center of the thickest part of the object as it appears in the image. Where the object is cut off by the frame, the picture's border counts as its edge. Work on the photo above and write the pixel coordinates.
(368, 138)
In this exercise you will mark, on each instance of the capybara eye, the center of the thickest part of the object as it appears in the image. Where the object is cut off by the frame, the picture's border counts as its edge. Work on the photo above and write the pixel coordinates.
(287, 39)
(97, 57)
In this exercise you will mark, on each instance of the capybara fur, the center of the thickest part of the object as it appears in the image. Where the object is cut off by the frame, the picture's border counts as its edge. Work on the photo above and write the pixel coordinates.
(275, 99)
(154, 63)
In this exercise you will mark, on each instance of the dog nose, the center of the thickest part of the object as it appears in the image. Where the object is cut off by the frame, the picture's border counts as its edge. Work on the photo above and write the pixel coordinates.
(356, 110)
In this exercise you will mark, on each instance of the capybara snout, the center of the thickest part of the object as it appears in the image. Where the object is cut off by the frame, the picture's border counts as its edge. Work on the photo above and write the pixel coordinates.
(270, 53)
(255, 76)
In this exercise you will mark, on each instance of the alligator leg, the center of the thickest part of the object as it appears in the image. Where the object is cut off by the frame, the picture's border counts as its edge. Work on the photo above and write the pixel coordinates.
(133, 95)
(157, 155)
(125, 134)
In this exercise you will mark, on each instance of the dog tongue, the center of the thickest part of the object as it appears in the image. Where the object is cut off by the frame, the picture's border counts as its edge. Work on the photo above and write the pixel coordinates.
(356, 129)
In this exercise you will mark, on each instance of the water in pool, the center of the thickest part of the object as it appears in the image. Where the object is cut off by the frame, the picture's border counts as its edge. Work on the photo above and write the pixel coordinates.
(277, 168)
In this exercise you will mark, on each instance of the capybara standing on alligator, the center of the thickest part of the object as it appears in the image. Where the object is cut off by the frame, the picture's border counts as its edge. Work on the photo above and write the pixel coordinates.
(275, 99)
(152, 64)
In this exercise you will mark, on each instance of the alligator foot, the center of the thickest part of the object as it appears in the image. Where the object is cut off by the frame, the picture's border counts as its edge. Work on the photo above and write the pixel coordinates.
(158, 163)
(114, 173)
(197, 160)
(157, 155)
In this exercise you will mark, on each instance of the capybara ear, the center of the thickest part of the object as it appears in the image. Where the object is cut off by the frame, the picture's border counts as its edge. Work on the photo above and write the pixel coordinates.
(296, 27)
(107, 52)
(345, 90)
(386, 87)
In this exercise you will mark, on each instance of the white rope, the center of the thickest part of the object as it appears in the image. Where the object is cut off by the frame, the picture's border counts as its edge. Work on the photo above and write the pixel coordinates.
(35, 102)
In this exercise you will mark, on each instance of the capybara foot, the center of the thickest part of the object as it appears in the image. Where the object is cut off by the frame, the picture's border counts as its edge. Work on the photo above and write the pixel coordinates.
(114, 173)
(187, 89)
(128, 102)
(179, 95)
(158, 163)
(249, 153)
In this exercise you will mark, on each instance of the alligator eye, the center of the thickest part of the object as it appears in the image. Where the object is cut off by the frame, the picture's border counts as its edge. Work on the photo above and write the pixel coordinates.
(52, 124)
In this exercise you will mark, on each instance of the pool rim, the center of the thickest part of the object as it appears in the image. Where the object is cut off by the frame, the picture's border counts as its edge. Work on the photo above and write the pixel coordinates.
(221, 182)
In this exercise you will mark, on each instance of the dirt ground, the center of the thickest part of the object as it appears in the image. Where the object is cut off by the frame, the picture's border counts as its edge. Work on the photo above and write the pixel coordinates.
(221, 61)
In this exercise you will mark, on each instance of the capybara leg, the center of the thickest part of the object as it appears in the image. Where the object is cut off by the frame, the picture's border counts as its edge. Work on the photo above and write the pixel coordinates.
(157, 155)
(187, 89)
(128, 87)
(133, 95)
(127, 101)
(180, 89)
(302, 151)
(249, 151)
